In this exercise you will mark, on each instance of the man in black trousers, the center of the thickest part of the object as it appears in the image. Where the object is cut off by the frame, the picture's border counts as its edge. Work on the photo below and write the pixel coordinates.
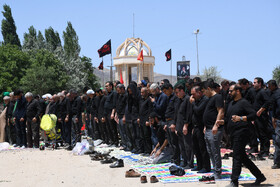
(145, 108)
(238, 113)
(170, 126)
(109, 111)
(261, 105)
(199, 102)
(20, 118)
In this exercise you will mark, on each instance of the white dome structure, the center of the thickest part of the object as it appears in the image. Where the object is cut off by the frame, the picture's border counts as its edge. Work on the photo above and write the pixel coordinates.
(126, 60)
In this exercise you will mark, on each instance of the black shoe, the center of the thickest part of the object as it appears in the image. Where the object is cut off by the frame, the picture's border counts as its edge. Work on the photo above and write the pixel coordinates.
(211, 180)
(226, 157)
(107, 161)
(259, 157)
(232, 184)
(275, 166)
(139, 151)
(134, 150)
(117, 164)
(265, 155)
(204, 179)
(259, 180)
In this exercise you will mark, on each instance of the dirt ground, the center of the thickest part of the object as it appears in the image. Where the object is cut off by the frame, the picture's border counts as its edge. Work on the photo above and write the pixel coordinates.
(30, 167)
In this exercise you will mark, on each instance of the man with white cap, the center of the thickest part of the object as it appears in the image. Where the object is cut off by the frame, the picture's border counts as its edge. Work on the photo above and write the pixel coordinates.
(90, 124)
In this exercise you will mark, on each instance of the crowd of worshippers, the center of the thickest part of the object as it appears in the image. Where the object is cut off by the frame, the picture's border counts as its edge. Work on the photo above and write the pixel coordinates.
(170, 123)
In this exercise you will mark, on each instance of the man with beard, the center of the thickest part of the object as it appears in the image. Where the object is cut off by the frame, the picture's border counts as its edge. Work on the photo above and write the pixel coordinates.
(199, 102)
(145, 108)
(261, 105)
(238, 113)
(170, 126)
(99, 116)
(214, 111)
(20, 118)
(109, 112)
(64, 110)
(32, 119)
(183, 126)
(120, 110)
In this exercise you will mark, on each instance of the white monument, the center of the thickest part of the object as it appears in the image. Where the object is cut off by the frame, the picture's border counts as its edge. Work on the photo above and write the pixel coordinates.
(126, 59)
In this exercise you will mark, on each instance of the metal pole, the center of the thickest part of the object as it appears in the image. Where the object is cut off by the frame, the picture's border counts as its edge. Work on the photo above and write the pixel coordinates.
(171, 71)
(111, 69)
(197, 53)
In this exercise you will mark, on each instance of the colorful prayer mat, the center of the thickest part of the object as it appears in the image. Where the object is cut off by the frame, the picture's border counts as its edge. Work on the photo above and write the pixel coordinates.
(161, 171)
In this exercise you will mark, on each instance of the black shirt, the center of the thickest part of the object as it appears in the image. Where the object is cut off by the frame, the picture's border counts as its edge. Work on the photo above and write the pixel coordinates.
(249, 94)
(145, 108)
(77, 106)
(173, 102)
(101, 107)
(262, 100)
(63, 108)
(198, 110)
(211, 111)
(184, 114)
(160, 104)
(121, 104)
(110, 102)
(240, 108)
(275, 103)
(33, 109)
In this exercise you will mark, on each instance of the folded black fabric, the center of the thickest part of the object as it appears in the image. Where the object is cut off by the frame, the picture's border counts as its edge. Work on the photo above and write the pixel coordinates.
(176, 170)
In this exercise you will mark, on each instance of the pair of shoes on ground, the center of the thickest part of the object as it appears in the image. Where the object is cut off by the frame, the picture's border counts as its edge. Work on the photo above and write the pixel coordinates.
(117, 164)
(153, 179)
(207, 179)
(108, 160)
(98, 156)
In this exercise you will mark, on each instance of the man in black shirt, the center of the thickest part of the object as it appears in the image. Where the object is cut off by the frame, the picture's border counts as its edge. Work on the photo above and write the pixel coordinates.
(162, 152)
(32, 118)
(10, 127)
(238, 113)
(120, 111)
(100, 117)
(76, 117)
(20, 118)
(261, 105)
(213, 133)
(275, 102)
(109, 111)
(170, 126)
(249, 94)
(64, 110)
(199, 102)
(145, 108)
(183, 126)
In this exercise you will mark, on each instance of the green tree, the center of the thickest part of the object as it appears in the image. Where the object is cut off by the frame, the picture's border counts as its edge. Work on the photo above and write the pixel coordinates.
(91, 81)
(13, 64)
(46, 74)
(30, 39)
(276, 74)
(41, 43)
(9, 28)
(52, 39)
(211, 72)
(71, 42)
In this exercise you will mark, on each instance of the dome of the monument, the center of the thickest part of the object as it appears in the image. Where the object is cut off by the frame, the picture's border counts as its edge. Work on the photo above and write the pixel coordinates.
(132, 47)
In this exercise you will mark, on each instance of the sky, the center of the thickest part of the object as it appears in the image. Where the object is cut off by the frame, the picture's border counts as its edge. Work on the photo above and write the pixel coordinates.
(241, 38)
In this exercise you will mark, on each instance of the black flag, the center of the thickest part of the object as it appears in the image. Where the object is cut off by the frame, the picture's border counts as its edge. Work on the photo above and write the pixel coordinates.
(105, 49)
(168, 55)
(100, 67)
